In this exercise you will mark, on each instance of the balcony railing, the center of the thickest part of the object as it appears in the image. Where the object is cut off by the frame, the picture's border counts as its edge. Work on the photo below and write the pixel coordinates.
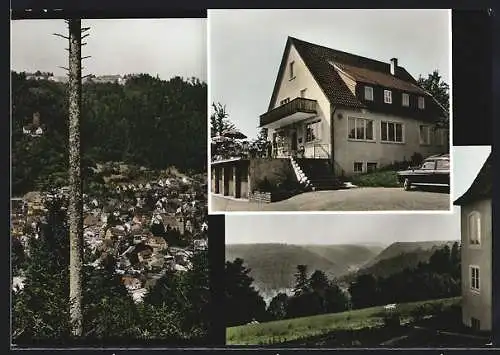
(298, 105)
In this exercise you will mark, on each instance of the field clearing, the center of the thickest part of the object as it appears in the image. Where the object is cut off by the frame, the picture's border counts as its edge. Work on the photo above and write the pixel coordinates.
(296, 328)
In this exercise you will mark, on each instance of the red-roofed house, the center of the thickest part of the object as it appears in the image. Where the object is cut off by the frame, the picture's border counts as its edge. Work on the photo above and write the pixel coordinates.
(356, 112)
(332, 114)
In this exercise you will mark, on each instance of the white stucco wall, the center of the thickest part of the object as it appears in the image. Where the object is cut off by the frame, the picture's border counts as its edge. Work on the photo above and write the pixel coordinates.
(348, 151)
(291, 88)
(477, 304)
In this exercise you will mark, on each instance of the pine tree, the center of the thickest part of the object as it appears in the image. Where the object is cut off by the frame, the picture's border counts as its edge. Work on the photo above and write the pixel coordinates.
(301, 280)
(40, 311)
(278, 306)
(75, 209)
(243, 302)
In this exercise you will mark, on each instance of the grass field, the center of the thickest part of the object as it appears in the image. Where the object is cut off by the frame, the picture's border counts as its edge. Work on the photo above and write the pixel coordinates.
(299, 328)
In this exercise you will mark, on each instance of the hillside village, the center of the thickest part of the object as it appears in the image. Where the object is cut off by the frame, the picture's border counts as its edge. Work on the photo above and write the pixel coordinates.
(117, 79)
(149, 228)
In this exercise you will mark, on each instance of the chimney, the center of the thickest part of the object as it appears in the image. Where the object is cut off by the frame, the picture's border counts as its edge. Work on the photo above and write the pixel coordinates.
(394, 64)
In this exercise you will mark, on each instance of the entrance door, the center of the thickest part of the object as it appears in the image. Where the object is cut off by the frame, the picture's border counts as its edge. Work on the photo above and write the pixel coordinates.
(294, 142)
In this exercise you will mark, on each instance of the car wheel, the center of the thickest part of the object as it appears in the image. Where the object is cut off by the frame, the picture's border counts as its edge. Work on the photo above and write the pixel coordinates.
(406, 185)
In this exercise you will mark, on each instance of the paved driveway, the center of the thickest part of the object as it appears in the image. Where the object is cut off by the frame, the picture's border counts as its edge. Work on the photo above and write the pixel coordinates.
(358, 199)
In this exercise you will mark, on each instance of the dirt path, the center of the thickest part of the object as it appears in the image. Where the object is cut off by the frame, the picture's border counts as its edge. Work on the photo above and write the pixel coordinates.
(359, 199)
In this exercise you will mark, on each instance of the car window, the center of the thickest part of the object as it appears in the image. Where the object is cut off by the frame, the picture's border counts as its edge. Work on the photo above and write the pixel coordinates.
(443, 164)
(428, 165)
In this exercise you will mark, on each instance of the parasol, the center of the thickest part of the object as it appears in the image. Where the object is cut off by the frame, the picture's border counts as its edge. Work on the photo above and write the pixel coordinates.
(220, 139)
(233, 133)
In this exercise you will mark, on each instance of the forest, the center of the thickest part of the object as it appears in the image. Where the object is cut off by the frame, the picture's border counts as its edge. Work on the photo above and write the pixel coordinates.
(147, 121)
(315, 293)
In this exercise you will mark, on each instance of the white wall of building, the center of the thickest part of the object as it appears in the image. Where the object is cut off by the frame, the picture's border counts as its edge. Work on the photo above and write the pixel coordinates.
(477, 304)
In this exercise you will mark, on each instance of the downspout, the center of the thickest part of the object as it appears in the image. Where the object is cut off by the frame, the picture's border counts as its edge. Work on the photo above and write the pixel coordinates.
(332, 137)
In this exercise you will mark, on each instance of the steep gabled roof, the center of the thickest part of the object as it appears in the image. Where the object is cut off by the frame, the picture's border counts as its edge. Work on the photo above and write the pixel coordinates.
(482, 187)
(324, 64)
(370, 76)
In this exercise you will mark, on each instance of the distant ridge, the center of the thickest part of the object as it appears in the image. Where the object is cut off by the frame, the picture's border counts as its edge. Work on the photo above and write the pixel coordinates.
(273, 265)
(398, 248)
(397, 257)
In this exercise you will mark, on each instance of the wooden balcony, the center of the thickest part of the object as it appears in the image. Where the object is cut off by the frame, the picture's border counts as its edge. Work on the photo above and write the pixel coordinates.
(293, 111)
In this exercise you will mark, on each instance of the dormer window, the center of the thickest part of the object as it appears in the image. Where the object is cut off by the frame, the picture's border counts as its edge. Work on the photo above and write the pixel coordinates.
(405, 100)
(292, 74)
(368, 93)
(421, 102)
(388, 96)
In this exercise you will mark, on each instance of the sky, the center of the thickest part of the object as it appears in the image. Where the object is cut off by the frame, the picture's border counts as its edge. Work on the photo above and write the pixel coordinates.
(163, 47)
(362, 228)
(467, 161)
(246, 47)
(341, 228)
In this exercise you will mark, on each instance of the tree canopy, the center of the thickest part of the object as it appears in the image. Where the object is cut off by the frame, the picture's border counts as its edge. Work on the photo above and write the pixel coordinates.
(147, 121)
(437, 88)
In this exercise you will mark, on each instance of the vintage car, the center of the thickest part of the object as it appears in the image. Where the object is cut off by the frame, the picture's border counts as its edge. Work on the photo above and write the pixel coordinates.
(434, 171)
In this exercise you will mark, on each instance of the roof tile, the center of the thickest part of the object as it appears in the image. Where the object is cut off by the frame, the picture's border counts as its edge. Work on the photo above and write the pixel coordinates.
(319, 61)
(482, 187)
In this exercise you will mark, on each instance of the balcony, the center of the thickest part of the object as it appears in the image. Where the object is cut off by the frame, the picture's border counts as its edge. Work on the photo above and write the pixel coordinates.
(296, 110)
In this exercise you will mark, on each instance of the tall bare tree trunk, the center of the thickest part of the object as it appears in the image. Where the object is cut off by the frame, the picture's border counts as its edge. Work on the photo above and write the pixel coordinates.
(75, 180)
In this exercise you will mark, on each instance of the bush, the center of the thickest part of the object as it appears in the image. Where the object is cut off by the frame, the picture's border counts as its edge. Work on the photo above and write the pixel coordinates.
(418, 313)
(284, 184)
(396, 166)
(392, 319)
(436, 308)
(264, 185)
(377, 179)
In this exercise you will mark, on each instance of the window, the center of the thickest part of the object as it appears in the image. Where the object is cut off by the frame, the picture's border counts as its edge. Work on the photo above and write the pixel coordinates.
(312, 131)
(368, 93)
(292, 74)
(303, 93)
(391, 132)
(474, 278)
(388, 96)
(429, 165)
(425, 135)
(285, 101)
(371, 167)
(442, 164)
(474, 228)
(358, 167)
(421, 102)
(360, 129)
(406, 100)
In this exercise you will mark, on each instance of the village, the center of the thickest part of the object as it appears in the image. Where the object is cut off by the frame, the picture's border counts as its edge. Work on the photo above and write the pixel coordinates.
(149, 228)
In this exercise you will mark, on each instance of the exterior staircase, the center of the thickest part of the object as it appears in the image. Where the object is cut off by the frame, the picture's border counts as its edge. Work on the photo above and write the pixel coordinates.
(301, 176)
(315, 174)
